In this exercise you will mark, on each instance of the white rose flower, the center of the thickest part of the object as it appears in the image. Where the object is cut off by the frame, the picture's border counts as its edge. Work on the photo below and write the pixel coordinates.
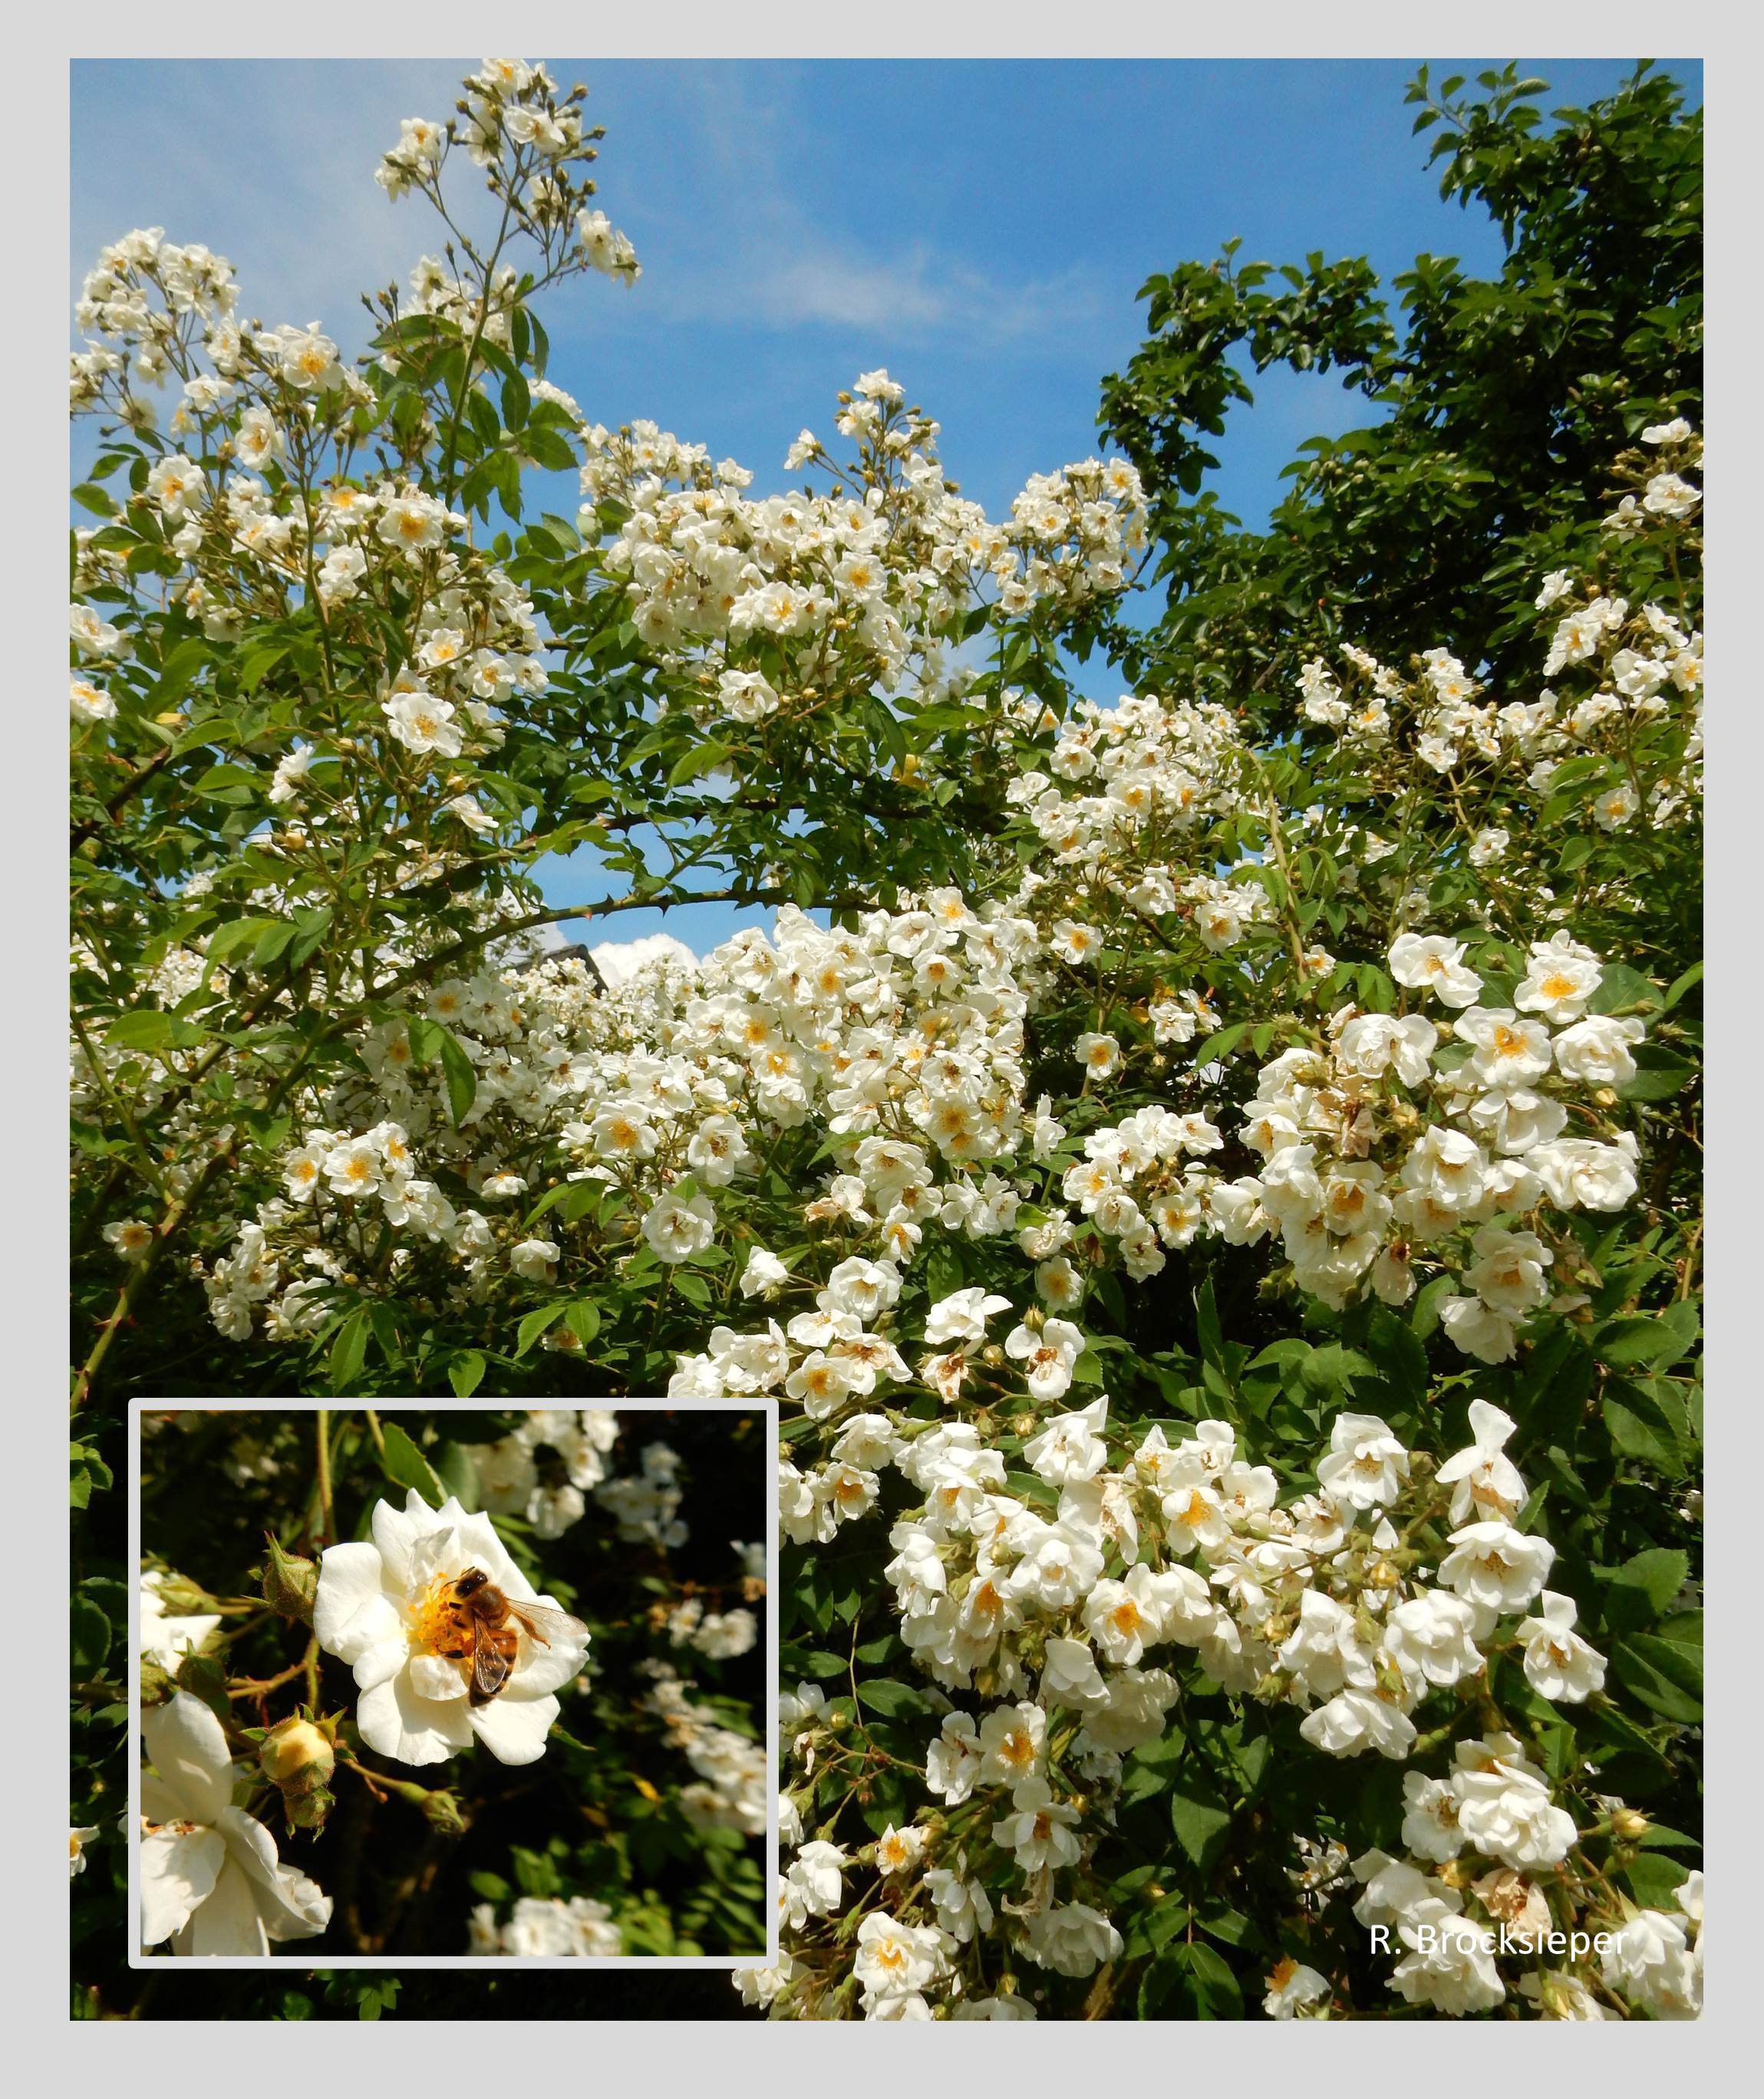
(895, 1961)
(962, 1316)
(211, 1881)
(1596, 1051)
(764, 1273)
(381, 1607)
(1453, 1965)
(78, 1840)
(1073, 1940)
(1355, 1721)
(1366, 1467)
(1290, 1986)
(1047, 1357)
(1071, 1446)
(1559, 1663)
(1430, 1638)
(678, 1229)
(1495, 1566)
(1426, 961)
(1648, 1962)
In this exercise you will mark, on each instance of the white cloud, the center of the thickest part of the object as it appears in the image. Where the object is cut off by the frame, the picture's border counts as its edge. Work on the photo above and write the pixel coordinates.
(619, 960)
(794, 275)
(750, 240)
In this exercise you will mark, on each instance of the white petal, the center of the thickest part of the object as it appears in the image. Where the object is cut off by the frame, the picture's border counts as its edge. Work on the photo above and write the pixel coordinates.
(228, 1921)
(159, 1803)
(438, 1553)
(177, 1871)
(396, 1721)
(395, 1533)
(349, 1576)
(477, 1537)
(433, 1676)
(513, 1730)
(376, 1622)
(547, 1667)
(185, 1745)
(383, 1660)
(290, 1905)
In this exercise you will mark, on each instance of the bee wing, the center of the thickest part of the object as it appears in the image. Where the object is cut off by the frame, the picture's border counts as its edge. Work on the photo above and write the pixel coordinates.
(546, 1625)
(490, 1667)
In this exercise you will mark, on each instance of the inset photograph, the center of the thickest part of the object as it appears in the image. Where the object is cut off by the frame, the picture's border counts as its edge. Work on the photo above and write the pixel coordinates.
(451, 1682)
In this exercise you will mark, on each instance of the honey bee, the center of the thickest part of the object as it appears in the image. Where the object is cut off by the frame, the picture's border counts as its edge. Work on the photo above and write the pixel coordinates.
(480, 1626)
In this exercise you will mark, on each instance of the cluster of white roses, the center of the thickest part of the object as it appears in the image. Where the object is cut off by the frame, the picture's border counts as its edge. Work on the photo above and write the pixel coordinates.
(1398, 1140)
(1494, 1806)
(545, 1928)
(734, 1780)
(1384, 1146)
(1051, 1611)
(645, 1504)
(719, 1635)
(145, 302)
(1116, 802)
(359, 1169)
(1643, 666)
(867, 577)
(543, 1469)
(513, 118)
(254, 543)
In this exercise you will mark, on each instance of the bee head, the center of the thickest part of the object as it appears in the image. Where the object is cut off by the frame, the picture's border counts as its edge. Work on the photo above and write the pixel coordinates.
(470, 1583)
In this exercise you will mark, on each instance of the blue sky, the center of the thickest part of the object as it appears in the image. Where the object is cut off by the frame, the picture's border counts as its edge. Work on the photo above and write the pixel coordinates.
(980, 229)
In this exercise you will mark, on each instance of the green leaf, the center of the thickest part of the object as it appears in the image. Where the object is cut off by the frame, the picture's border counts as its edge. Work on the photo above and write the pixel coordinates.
(1649, 1423)
(1642, 1590)
(406, 1467)
(1213, 1986)
(1424, 1315)
(702, 757)
(536, 1323)
(465, 1373)
(140, 1031)
(882, 1695)
(349, 1351)
(1622, 989)
(90, 1637)
(1200, 1817)
(584, 1319)
(1693, 976)
(1207, 1323)
(457, 1471)
(1656, 1340)
(239, 933)
(1651, 1881)
(462, 1080)
(1666, 1678)
(429, 1039)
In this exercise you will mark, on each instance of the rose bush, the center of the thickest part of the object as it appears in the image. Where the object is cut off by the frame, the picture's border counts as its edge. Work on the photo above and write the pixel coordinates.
(1211, 1180)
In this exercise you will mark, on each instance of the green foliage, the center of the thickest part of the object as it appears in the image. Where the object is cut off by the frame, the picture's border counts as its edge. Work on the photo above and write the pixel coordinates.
(1495, 405)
